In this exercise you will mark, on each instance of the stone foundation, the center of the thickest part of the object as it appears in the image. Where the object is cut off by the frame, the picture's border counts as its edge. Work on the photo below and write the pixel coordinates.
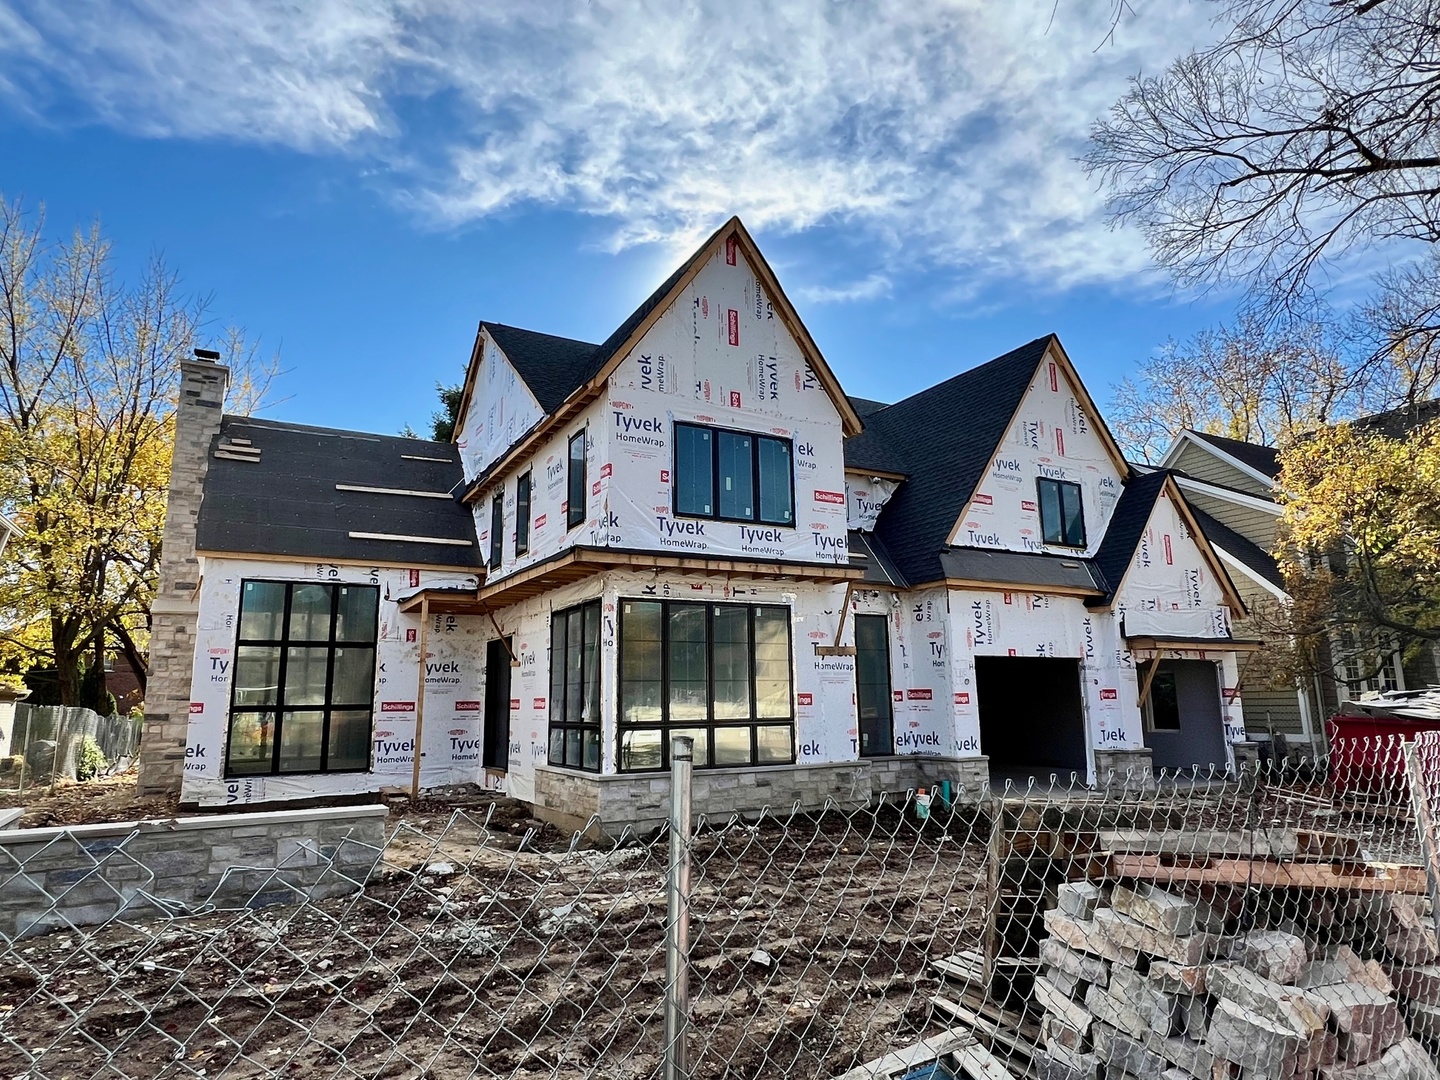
(641, 801)
(86, 874)
(1121, 767)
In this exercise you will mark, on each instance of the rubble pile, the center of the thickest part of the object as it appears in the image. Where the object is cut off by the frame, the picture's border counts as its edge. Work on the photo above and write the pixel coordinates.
(1137, 982)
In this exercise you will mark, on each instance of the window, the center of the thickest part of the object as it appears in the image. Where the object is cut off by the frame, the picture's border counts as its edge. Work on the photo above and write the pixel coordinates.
(497, 529)
(303, 691)
(1162, 707)
(575, 687)
(1365, 671)
(733, 476)
(575, 506)
(1062, 518)
(522, 515)
(872, 686)
(719, 673)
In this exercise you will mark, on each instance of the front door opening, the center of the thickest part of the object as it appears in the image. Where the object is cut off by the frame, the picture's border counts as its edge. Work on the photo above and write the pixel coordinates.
(872, 686)
(1183, 725)
(497, 704)
(1032, 718)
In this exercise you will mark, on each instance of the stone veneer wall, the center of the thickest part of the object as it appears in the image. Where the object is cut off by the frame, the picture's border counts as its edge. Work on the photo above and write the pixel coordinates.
(642, 800)
(87, 874)
(174, 610)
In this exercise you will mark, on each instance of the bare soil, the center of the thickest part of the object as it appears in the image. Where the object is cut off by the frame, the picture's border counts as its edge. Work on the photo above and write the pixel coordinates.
(109, 798)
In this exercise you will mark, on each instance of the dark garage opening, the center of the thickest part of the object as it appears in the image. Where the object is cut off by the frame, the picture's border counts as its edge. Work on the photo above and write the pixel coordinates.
(1032, 719)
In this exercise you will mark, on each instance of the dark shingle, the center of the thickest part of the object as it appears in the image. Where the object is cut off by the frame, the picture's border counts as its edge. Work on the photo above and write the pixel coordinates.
(552, 367)
(865, 406)
(943, 439)
(1012, 568)
(1399, 422)
(868, 553)
(1247, 551)
(286, 503)
(1127, 525)
(1263, 459)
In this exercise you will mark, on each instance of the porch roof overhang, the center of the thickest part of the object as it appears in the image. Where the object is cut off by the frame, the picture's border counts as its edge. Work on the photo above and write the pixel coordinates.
(1159, 644)
(443, 602)
(583, 562)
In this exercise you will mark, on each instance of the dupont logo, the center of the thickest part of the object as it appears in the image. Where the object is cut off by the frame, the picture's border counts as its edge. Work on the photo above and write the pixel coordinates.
(1109, 693)
(732, 246)
(962, 698)
(383, 734)
(397, 706)
(459, 731)
(197, 707)
(919, 695)
(804, 699)
(538, 704)
(985, 500)
(467, 706)
(836, 498)
(732, 319)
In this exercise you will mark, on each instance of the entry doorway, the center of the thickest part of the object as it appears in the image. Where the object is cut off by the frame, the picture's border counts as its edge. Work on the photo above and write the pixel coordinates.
(1184, 727)
(873, 702)
(1032, 716)
(497, 704)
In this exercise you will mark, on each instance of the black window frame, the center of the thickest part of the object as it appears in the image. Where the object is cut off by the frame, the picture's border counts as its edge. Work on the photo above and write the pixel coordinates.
(278, 709)
(558, 722)
(889, 700)
(1060, 486)
(757, 437)
(710, 724)
(575, 508)
(522, 513)
(497, 530)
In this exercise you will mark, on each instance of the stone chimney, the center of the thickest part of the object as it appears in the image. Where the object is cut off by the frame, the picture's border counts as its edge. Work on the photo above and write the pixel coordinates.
(176, 608)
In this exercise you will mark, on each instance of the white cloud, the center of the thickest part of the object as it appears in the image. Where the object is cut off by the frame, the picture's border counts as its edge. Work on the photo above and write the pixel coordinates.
(938, 134)
(871, 287)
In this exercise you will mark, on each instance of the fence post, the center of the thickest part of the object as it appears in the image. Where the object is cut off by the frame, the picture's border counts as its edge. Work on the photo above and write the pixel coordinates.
(1425, 823)
(677, 925)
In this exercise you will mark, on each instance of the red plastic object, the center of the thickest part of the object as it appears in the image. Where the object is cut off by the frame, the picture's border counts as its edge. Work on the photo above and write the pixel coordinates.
(1365, 753)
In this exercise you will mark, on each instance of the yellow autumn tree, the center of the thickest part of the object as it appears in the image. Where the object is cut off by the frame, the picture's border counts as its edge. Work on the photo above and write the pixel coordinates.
(1361, 541)
(89, 371)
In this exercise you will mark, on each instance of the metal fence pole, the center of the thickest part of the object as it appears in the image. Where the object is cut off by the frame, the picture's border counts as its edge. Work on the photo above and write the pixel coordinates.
(677, 937)
(1425, 823)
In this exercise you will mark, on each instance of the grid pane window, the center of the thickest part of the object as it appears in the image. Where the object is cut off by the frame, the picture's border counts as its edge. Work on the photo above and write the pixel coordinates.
(719, 673)
(1062, 516)
(575, 687)
(733, 476)
(304, 679)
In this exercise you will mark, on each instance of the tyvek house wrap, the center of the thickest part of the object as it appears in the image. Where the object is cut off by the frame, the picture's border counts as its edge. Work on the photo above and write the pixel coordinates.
(1051, 437)
(865, 497)
(500, 410)
(1169, 589)
(452, 697)
(720, 356)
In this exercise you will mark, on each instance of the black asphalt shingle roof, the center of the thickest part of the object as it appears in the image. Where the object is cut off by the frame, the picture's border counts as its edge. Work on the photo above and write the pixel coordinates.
(865, 406)
(868, 553)
(1263, 459)
(286, 502)
(1127, 525)
(1247, 551)
(942, 439)
(1398, 422)
(1021, 568)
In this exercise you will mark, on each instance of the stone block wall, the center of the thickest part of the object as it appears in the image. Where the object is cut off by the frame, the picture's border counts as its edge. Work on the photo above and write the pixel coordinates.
(642, 800)
(137, 870)
(174, 610)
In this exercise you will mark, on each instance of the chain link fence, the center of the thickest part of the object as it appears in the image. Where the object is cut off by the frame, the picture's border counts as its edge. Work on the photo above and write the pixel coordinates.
(1270, 925)
(44, 744)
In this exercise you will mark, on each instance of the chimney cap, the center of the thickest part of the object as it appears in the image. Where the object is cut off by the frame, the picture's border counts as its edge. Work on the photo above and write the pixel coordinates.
(207, 354)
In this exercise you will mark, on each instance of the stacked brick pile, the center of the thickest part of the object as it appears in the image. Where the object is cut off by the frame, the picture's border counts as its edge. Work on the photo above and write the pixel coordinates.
(1139, 983)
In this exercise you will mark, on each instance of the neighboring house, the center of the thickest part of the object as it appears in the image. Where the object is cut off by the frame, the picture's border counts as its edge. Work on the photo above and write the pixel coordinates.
(686, 529)
(1231, 485)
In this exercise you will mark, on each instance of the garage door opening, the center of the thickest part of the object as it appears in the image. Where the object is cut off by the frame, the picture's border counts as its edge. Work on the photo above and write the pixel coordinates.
(1032, 719)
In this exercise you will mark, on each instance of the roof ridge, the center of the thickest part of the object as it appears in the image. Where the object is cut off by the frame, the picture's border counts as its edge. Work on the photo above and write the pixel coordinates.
(538, 333)
(947, 382)
(230, 419)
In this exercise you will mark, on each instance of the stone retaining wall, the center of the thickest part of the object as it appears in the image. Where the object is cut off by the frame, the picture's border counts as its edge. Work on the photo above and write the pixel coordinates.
(89, 874)
(641, 800)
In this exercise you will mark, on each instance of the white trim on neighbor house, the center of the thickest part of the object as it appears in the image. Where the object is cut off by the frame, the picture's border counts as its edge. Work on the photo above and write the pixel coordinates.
(1239, 498)
(1236, 564)
(8, 529)
(1167, 462)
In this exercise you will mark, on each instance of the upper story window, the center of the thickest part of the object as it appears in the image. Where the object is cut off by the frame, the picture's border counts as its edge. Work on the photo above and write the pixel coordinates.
(522, 515)
(497, 529)
(1062, 517)
(575, 495)
(733, 476)
(304, 684)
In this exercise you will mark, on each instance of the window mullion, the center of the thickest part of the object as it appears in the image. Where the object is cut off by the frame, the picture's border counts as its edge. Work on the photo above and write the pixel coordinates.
(330, 681)
(280, 688)
(755, 478)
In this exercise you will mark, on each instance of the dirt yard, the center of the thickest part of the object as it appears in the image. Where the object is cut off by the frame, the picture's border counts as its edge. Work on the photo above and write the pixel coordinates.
(465, 956)
(110, 798)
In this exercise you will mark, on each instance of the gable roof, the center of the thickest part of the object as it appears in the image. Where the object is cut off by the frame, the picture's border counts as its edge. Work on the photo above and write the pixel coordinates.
(1252, 555)
(866, 406)
(270, 489)
(568, 375)
(1257, 456)
(1399, 422)
(1132, 512)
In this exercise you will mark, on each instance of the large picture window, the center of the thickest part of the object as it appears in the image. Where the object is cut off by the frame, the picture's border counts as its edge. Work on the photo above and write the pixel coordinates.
(717, 672)
(575, 687)
(304, 679)
(733, 476)
(1062, 517)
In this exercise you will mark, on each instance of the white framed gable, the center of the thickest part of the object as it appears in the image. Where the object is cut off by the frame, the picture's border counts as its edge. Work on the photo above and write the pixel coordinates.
(498, 409)
(1056, 433)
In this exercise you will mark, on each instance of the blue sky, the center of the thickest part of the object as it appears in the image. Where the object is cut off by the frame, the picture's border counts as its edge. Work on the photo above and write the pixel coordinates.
(358, 183)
